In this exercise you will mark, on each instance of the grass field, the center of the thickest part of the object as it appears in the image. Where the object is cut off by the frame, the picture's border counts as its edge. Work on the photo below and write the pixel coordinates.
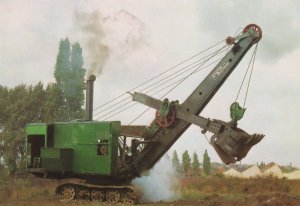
(208, 191)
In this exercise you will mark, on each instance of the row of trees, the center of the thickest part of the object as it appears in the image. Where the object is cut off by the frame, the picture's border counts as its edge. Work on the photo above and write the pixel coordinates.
(23, 104)
(189, 165)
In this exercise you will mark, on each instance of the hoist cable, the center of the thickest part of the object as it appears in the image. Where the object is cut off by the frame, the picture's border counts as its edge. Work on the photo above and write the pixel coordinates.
(141, 114)
(146, 110)
(250, 75)
(251, 63)
(122, 101)
(199, 69)
(156, 92)
(191, 73)
(165, 82)
(127, 103)
(180, 82)
(238, 94)
(182, 71)
(161, 74)
(185, 69)
(106, 103)
(150, 95)
(111, 106)
(120, 111)
(207, 139)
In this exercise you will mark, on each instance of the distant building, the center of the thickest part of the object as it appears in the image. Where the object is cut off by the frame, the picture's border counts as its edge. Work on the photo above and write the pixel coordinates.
(252, 171)
(272, 169)
(232, 173)
(292, 175)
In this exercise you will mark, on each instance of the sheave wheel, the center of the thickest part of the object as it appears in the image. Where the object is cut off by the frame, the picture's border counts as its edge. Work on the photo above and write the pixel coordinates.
(165, 121)
(257, 29)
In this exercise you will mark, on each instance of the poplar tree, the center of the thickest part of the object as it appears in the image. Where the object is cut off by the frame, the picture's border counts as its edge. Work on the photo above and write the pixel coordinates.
(206, 163)
(195, 163)
(175, 161)
(69, 74)
(75, 95)
(63, 64)
(62, 74)
(186, 161)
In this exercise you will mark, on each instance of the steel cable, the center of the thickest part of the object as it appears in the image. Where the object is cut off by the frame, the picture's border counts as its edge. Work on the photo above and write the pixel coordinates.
(167, 80)
(179, 83)
(245, 75)
(175, 66)
(199, 68)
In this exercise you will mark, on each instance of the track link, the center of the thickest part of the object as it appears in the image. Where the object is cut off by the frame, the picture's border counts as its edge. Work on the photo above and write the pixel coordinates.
(85, 192)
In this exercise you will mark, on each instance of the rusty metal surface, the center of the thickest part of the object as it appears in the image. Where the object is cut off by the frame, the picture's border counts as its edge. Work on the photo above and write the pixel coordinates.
(233, 144)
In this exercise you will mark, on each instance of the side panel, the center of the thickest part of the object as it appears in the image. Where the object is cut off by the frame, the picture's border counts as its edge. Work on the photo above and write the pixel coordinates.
(56, 160)
(94, 145)
(115, 133)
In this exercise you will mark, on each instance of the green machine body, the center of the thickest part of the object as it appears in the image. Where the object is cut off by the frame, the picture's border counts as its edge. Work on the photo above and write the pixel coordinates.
(78, 148)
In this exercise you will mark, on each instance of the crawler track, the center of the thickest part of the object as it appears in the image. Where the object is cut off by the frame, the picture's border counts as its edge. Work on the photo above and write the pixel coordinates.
(110, 194)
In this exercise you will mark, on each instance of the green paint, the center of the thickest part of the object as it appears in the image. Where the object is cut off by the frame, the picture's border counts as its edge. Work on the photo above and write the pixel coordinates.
(164, 110)
(152, 129)
(36, 129)
(236, 112)
(56, 160)
(75, 146)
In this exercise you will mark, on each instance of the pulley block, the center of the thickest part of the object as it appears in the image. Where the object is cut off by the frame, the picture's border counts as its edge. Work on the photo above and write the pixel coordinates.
(236, 112)
(165, 116)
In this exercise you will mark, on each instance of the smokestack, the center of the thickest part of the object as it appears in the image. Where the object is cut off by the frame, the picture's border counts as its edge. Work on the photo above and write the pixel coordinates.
(89, 97)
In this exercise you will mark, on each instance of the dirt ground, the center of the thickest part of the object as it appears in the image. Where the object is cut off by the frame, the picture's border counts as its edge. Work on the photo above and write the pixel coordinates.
(251, 200)
(279, 199)
(194, 191)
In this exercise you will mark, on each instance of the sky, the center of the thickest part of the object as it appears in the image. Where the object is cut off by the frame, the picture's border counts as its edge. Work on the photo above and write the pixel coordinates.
(126, 42)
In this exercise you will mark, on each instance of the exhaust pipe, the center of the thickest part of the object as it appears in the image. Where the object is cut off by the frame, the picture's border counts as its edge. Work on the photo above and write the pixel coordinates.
(89, 97)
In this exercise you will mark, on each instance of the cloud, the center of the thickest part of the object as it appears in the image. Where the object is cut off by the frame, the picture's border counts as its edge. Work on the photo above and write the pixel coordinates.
(279, 21)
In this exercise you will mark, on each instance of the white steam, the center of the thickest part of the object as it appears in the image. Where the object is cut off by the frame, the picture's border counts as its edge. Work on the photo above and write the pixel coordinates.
(161, 184)
(116, 36)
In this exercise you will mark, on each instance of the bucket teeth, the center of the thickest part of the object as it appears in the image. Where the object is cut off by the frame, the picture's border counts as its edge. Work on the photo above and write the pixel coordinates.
(258, 137)
(234, 144)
